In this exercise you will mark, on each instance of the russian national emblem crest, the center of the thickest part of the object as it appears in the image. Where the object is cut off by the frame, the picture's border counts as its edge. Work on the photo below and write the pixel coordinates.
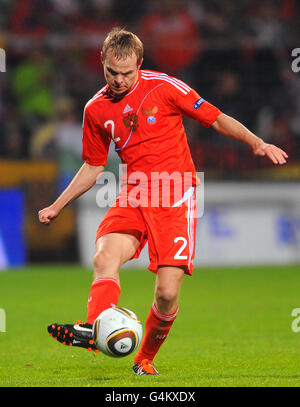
(131, 121)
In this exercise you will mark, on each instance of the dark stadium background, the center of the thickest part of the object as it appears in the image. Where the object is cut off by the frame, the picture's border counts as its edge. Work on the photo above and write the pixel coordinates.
(236, 54)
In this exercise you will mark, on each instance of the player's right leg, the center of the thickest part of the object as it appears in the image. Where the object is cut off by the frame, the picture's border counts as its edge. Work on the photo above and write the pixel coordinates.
(112, 250)
(120, 237)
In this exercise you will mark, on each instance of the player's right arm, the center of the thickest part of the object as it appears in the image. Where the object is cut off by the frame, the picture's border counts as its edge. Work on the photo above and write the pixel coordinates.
(95, 150)
(82, 182)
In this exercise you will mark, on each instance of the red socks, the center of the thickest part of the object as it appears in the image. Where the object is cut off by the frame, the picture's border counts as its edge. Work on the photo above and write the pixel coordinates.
(157, 328)
(104, 293)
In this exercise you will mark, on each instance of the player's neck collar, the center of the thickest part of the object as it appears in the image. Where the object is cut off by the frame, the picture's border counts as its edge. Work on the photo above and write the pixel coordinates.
(136, 84)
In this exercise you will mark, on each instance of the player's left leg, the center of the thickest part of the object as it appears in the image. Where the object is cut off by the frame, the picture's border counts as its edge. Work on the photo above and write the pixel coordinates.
(171, 248)
(167, 288)
(162, 314)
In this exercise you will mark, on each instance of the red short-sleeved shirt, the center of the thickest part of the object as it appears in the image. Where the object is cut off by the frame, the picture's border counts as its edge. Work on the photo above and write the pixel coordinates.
(145, 125)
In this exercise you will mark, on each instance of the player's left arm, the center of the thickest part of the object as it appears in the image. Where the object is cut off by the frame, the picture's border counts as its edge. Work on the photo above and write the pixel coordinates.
(230, 127)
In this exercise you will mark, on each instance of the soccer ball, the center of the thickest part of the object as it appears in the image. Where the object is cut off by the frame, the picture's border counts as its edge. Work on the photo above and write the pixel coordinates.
(117, 332)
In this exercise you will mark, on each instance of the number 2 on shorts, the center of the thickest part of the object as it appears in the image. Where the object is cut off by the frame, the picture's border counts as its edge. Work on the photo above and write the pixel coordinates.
(178, 255)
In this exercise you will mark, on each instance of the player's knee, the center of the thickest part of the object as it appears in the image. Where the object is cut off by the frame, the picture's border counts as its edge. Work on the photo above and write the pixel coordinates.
(166, 297)
(103, 260)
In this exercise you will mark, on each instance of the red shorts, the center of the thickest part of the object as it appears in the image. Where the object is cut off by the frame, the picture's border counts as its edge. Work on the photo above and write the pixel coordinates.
(170, 231)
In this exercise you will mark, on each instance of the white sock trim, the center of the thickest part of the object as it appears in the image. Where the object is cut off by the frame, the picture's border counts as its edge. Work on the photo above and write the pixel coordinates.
(164, 317)
(104, 279)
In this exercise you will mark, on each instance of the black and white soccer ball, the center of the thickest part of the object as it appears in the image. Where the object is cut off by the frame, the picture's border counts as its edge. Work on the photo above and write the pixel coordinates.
(117, 332)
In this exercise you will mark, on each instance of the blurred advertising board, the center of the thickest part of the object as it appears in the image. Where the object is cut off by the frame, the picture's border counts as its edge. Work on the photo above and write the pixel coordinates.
(12, 242)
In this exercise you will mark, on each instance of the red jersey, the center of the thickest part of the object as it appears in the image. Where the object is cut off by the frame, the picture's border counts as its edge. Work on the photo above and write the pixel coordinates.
(145, 125)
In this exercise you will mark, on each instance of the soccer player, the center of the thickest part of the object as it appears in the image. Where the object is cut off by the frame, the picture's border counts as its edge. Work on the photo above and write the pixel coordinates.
(141, 112)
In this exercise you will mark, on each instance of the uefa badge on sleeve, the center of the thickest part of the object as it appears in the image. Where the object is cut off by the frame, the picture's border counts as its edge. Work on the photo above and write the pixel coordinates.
(198, 103)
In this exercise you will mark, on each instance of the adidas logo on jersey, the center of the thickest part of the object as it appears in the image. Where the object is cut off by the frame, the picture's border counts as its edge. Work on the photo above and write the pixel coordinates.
(127, 109)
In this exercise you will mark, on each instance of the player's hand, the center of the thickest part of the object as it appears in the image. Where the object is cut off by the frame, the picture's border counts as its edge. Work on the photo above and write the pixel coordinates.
(275, 154)
(46, 215)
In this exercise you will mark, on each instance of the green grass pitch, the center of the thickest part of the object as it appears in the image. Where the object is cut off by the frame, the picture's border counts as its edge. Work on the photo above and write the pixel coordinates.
(233, 329)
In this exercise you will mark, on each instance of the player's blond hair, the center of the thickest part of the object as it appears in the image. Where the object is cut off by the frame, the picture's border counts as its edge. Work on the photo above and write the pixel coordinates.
(123, 44)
